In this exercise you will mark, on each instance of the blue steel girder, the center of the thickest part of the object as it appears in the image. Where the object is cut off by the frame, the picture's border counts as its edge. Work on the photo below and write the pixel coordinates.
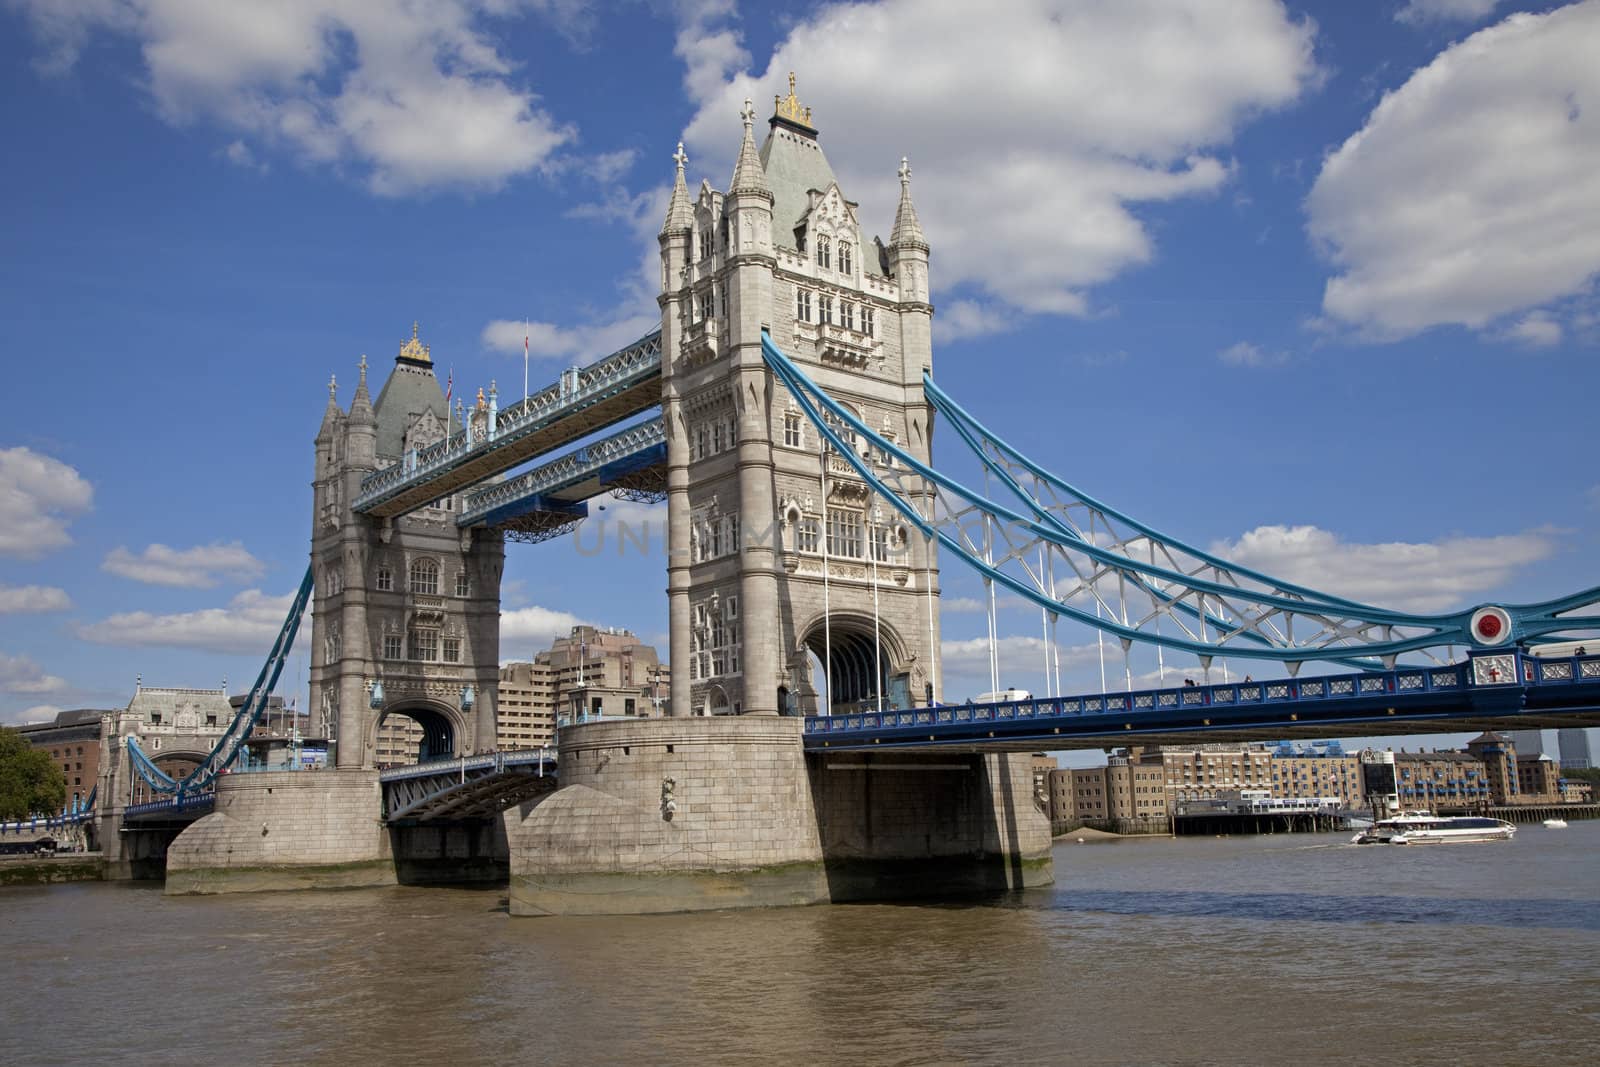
(1534, 694)
(581, 402)
(583, 473)
(1129, 584)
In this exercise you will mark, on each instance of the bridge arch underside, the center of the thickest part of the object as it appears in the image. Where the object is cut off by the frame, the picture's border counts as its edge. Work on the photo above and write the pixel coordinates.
(442, 728)
(859, 661)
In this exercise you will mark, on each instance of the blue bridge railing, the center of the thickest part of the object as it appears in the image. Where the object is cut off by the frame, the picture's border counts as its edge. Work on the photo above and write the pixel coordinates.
(173, 805)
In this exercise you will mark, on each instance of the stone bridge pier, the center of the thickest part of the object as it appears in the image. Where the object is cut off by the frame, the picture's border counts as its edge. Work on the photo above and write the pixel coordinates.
(700, 813)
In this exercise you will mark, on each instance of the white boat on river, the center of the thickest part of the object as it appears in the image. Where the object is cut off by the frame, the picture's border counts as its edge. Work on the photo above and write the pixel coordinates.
(1423, 827)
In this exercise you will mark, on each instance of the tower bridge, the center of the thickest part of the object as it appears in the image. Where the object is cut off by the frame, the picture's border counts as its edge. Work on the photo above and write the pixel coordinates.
(784, 410)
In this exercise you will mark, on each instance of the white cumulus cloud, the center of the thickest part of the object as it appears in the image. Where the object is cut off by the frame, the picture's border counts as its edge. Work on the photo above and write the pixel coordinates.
(1537, 329)
(531, 629)
(1470, 192)
(249, 624)
(412, 95)
(1245, 354)
(32, 599)
(578, 344)
(1419, 12)
(1027, 184)
(37, 713)
(1419, 577)
(20, 674)
(200, 567)
(38, 496)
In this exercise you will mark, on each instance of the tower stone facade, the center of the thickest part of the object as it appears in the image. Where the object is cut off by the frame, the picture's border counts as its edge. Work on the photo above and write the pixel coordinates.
(407, 611)
(778, 550)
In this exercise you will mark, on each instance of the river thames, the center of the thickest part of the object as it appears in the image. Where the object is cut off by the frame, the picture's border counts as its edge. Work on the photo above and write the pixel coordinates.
(1270, 950)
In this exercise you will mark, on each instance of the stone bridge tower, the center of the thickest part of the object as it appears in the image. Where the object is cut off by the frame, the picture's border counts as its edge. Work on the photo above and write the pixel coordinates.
(777, 549)
(407, 611)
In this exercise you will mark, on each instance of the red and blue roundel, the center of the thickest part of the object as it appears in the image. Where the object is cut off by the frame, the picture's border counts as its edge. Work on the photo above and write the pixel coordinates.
(1490, 626)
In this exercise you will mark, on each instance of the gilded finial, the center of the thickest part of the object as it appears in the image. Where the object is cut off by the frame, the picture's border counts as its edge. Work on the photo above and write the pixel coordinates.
(414, 349)
(791, 107)
(482, 403)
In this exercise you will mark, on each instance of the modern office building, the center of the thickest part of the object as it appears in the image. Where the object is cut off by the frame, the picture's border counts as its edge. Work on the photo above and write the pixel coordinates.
(1574, 750)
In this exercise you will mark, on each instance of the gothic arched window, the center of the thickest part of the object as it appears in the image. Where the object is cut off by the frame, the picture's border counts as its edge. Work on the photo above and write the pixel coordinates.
(844, 257)
(385, 580)
(824, 252)
(425, 577)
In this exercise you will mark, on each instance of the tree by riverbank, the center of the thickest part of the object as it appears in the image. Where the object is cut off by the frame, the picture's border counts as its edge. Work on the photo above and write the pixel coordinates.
(29, 782)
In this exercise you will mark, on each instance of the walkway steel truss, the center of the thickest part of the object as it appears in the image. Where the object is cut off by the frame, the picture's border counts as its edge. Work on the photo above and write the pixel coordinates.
(583, 401)
(615, 463)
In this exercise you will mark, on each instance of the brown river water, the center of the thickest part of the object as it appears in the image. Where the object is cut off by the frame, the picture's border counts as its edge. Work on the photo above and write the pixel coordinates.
(1292, 949)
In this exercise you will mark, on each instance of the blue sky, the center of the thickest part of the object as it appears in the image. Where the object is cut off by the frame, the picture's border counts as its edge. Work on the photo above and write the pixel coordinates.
(1311, 283)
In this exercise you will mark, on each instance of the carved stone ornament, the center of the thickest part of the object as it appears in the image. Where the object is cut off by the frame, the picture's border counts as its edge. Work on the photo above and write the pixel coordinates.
(848, 492)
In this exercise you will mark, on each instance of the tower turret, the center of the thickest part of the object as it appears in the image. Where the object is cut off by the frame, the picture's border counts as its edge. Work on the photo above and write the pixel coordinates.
(677, 233)
(362, 435)
(908, 248)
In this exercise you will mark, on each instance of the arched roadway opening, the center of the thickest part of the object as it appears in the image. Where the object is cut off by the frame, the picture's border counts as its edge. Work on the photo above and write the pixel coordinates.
(859, 664)
(415, 732)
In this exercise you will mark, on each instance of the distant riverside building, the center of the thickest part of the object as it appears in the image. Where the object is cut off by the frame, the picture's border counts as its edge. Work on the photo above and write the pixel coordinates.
(1499, 756)
(528, 694)
(1205, 772)
(1538, 779)
(1527, 742)
(1136, 788)
(1433, 780)
(72, 739)
(1305, 772)
(605, 671)
(1574, 750)
(1140, 789)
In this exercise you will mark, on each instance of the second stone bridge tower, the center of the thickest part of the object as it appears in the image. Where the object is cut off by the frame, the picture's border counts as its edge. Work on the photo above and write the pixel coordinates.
(778, 552)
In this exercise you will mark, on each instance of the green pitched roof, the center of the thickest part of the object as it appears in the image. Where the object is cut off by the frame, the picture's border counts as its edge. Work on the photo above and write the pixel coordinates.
(795, 165)
(410, 390)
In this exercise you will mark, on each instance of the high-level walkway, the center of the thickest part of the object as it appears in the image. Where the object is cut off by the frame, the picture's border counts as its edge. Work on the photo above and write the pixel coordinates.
(583, 401)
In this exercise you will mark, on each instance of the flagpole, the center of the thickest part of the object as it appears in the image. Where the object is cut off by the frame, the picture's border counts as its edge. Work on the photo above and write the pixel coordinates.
(524, 365)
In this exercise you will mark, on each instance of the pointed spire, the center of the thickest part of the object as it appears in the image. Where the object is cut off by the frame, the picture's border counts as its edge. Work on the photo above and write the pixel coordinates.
(330, 414)
(748, 175)
(907, 230)
(680, 216)
(361, 406)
